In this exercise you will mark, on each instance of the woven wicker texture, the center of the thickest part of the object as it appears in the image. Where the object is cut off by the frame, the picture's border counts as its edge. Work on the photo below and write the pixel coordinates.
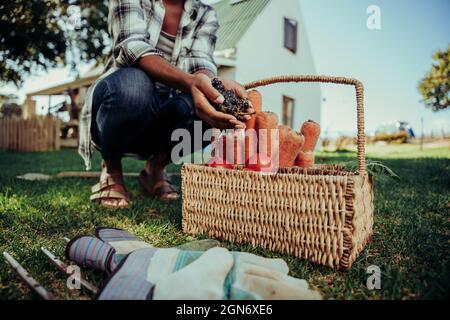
(324, 214)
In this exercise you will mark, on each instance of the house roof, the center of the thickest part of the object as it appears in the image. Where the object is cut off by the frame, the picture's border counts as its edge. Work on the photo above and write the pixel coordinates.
(235, 17)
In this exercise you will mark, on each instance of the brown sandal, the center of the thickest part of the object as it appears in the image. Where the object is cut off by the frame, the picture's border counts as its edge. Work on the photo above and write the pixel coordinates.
(110, 188)
(162, 189)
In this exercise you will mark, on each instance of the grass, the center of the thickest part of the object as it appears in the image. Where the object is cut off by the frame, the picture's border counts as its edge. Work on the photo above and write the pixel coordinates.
(410, 244)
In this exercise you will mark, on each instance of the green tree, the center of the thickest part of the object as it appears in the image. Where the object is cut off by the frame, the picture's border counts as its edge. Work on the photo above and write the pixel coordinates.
(435, 86)
(38, 34)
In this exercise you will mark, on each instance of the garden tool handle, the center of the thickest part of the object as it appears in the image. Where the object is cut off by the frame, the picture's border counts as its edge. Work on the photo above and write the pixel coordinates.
(361, 138)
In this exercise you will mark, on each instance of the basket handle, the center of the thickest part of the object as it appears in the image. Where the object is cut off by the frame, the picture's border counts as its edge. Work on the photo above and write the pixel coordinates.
(361, 137)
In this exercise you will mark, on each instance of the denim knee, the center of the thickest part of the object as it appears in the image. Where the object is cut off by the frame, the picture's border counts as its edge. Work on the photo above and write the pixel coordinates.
(124, 106)
(125, 99)
(131, 89)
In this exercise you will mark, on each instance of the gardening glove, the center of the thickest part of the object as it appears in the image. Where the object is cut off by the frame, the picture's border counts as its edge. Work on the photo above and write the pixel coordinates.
(105, 251)
(145, 272)
(122, 241)
(253, 281)
(253, 277)
(202, 279)
(125, 242)
(130, 280)
(152, 273)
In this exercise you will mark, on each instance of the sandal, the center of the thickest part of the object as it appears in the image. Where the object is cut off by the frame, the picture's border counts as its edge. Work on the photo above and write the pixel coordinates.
(162, 189)
(111, 188)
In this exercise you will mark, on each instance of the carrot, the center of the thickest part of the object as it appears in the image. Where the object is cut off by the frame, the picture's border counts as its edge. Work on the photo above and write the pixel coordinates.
(290, 144)
(261, 163)
(251, 141)
(219, 147)
(214, 142)
(305, 159)
(235, 146)
(256, 100)
(311, 132)
(218, 163)
(228, 147)
(266, 122)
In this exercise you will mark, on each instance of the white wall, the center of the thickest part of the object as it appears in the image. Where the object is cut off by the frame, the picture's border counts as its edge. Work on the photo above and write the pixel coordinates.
(261, 54)
(227, 73)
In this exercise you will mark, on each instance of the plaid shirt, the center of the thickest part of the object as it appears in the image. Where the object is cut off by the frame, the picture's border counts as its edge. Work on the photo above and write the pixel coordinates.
(135, 27)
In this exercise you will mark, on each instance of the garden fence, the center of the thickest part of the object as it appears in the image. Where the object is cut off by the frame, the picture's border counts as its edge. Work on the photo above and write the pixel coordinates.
(38, 133)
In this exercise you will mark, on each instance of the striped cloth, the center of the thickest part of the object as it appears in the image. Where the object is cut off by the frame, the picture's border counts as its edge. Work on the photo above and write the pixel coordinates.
(122, 241)
(166, 43)
(91, 252)
(129, 281)
(104, 251)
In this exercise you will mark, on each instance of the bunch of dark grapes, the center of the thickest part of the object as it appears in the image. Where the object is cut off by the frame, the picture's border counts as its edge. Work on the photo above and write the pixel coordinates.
(233, 104)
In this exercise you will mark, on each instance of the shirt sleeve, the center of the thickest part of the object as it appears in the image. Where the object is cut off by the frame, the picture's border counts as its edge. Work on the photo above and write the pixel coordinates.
(200, 56)
(129, 32)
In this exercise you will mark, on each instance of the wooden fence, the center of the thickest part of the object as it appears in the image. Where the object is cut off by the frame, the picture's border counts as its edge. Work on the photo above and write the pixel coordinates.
(39, 133)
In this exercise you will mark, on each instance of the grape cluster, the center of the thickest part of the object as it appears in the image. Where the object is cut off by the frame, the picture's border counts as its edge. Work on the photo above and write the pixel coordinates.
(233, 104)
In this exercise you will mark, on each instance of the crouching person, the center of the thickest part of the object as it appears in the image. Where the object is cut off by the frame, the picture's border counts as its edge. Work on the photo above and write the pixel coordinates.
(158, 79)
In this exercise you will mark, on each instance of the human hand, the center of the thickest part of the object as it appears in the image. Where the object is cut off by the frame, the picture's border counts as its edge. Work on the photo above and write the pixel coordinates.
(203, 92)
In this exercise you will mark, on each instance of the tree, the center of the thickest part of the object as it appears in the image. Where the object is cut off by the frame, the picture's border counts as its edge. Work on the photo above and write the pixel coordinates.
(435, 86)
(9, 107)
(8, 110)
(37, 34)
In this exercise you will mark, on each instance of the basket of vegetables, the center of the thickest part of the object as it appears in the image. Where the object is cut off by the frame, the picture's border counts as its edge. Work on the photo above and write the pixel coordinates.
(319, 212)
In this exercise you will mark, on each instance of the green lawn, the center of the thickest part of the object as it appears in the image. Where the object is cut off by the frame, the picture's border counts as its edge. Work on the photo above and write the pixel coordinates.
(410, 243)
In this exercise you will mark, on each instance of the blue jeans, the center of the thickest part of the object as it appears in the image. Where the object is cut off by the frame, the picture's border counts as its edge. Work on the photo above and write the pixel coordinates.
(130, 115)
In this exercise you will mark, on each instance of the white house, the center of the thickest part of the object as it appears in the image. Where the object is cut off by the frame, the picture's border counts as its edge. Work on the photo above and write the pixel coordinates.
(256, 39)
(264, 38)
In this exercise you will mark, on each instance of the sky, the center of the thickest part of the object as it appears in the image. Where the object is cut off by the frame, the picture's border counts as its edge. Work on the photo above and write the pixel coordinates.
(390, 62)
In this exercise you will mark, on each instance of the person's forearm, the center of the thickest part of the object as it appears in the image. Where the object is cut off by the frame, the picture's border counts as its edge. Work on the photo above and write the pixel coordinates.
(162, 71)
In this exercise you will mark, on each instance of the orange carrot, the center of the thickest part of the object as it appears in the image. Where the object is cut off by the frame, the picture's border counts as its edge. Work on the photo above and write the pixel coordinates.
(290, 144)
(214, 142)
(218, 163)
(305, 159)
(251, 140)
(251, 143)
(256, 101)
(261, 163)
(219, 148)
(311, 132)
(266, 122)
(235, 146)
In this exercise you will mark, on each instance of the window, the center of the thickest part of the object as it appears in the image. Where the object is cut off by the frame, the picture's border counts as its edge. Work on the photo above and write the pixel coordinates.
(288, 111)
(290, 34)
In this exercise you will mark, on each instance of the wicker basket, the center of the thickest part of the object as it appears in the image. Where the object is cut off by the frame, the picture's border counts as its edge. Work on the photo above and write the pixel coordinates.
(324, 214)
